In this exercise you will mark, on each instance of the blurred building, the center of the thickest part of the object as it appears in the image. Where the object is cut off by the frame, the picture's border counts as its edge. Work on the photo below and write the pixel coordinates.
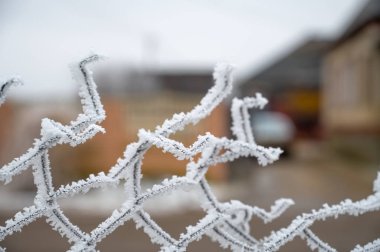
(20, 125)
(351, 105)
(133, 99)
(292, 85)
(136, 98)
(6, 118)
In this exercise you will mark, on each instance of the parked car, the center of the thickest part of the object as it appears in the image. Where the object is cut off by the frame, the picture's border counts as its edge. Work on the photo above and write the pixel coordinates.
(273, 129)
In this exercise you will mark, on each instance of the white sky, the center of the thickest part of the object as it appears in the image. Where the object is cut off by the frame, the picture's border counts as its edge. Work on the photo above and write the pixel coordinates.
(39, 39)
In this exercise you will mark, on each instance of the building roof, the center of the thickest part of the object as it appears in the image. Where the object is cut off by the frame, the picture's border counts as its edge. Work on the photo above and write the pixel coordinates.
(369, 13)
(124, 80)
(186, 82)
(300, 66)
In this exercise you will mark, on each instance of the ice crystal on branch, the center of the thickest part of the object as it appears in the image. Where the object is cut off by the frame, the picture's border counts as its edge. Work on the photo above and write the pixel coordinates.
(225, 222)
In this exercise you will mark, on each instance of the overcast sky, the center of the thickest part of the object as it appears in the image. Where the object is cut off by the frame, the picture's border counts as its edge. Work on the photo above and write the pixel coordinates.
(39, 39)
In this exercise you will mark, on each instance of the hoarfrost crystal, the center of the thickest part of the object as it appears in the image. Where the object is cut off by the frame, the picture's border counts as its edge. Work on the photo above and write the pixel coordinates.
(225, 222)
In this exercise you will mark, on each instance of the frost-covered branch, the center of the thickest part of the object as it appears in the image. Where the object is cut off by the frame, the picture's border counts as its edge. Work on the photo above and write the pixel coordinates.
(225, 222)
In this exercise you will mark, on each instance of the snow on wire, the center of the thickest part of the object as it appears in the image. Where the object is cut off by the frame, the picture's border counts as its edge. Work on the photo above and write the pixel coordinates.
(225, 222)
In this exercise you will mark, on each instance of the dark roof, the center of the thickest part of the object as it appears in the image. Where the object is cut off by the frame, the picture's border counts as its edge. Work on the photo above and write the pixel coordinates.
(369, 13)
(186, 82)
(124, 80)
(300, 66)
